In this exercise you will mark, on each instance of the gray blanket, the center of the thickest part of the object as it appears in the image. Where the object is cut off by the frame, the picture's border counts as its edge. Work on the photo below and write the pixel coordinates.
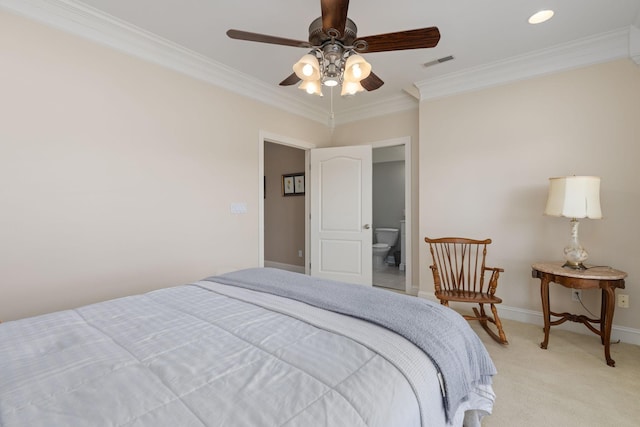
(444, 335)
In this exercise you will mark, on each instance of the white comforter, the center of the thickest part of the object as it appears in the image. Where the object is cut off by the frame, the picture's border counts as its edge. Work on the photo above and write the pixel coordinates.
(214, 355)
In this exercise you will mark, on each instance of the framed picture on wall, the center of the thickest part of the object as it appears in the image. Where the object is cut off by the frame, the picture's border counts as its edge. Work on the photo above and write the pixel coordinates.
(293, 184)
(298, 184)
(287, 185)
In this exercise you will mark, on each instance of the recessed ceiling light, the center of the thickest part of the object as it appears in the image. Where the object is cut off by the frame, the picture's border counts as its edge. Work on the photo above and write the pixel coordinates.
(540, 17)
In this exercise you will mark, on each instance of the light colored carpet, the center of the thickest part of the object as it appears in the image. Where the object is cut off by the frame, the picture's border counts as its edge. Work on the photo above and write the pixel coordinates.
(567, 385)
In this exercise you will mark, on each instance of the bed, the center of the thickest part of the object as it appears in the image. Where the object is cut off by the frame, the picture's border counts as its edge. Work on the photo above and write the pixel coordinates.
(256, 347)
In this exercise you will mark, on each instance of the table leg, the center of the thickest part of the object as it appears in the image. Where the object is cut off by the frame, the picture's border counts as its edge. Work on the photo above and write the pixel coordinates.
(603, 315)
(608, 320)
(544, 292)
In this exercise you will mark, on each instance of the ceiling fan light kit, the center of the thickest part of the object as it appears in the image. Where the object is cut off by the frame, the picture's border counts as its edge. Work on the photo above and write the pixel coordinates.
(331, 70)
(334, 59)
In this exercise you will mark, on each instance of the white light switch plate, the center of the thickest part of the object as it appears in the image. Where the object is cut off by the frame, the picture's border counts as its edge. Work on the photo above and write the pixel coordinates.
(238, 208)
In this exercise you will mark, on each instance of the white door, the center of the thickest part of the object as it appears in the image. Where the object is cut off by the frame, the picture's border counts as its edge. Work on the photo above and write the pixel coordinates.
(341, 233)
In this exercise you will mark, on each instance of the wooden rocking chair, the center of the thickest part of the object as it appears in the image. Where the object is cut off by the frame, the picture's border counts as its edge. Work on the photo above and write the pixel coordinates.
(459, 275)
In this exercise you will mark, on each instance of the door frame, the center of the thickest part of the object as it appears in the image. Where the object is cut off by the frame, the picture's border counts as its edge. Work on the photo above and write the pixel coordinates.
(266, 136)
(408, 192)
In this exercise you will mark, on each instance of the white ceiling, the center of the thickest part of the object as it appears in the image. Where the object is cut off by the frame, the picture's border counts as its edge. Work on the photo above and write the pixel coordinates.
(475, 32)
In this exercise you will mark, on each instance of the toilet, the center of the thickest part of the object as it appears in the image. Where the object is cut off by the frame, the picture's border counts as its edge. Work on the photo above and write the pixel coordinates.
(385, 238)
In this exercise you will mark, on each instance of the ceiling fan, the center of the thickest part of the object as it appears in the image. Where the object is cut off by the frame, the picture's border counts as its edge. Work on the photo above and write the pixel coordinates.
(335, 46)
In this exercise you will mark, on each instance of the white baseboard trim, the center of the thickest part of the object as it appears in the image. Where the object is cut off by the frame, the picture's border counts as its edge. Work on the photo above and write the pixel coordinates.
(622, 333)
(427, 295)
(281, 266)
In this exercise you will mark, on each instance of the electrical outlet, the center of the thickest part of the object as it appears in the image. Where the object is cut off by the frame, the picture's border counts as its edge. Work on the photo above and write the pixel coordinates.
(623, 301)
(576, 294)
(299, 253)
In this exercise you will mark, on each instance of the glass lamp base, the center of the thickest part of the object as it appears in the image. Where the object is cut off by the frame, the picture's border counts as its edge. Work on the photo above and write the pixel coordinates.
(574, 253)
(574, 265)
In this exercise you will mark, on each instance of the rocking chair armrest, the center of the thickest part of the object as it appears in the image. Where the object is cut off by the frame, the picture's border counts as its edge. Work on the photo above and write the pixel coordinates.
(436, 276)
(493, 280)
(495, 272)
(435, 272)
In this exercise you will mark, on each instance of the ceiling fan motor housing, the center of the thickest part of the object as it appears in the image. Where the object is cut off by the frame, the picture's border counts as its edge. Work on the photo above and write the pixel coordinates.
(317, 37)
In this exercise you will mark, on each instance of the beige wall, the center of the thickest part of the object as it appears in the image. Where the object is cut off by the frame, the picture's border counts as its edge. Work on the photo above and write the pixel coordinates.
(284, 218)
(117, 175)
(485, 160)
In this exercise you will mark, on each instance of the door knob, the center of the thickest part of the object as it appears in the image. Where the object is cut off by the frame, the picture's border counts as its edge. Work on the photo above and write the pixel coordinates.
(367, 226)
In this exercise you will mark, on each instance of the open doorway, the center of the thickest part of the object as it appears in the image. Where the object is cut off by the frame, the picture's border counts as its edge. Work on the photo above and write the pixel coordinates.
(389, 217)
(284, 207)
(404, 239)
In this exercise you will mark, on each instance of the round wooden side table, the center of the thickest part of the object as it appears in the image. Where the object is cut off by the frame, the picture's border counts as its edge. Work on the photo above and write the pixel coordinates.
(605, 278)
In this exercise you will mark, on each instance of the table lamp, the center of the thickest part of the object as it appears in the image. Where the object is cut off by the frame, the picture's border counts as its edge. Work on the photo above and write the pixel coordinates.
(574, 197)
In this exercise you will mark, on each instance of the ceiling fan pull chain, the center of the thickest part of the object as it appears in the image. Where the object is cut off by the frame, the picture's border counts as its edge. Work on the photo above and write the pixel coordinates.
(331, 115)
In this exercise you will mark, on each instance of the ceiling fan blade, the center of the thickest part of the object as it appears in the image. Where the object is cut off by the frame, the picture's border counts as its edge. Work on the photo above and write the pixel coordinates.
(372, 82)
(291, 80)
(334, 16)
(402, 40)
(263, 38)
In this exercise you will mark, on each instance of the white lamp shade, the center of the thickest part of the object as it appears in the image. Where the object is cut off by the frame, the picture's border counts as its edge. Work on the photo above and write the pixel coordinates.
(351, 88)
(574, 197)
(356, 69)
(307, 68)
(313, 87)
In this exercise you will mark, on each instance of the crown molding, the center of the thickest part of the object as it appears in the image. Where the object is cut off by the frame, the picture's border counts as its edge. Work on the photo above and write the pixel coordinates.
(79, 19)
(587, 51)
(87, 22)
(390, 105)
